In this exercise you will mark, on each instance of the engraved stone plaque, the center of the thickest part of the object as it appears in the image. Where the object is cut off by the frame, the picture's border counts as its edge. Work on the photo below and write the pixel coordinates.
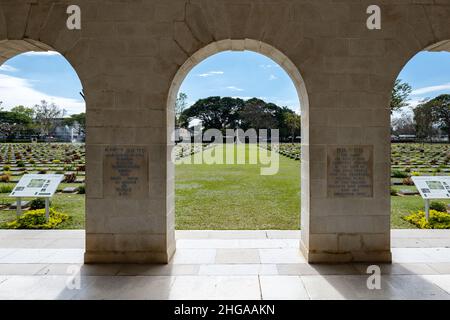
(125, 172)
(350, 172)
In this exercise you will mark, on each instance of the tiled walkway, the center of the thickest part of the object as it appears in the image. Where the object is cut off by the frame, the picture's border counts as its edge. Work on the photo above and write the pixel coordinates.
(220, 265)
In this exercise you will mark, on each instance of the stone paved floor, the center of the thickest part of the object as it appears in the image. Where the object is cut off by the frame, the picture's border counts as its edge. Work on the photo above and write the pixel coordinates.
(220, 265)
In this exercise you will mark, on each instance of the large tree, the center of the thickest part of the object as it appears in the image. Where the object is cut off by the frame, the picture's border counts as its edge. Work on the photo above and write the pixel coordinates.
(400, 94)
(293, 122)
(28, 112)
(45, 116)
(214, 113)
(257, 114)
(424, 120)
(180, 106)
(441, 112)
(78, 120)
(403, 125)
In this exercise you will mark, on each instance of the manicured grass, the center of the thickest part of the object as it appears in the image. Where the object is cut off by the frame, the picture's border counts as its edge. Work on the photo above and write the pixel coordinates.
(71, 204)
(224, 196)
(236, 196)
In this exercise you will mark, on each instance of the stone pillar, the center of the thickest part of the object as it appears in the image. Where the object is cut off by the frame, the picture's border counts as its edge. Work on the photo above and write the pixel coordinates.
(346, 217)
(128, 218)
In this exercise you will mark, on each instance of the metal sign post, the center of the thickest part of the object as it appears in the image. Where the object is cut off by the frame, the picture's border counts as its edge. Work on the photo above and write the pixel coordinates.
(19, 207)
(427, 209)
(47, 209)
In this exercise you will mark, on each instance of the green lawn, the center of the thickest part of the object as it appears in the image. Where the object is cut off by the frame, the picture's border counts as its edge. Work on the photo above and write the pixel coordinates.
(237, 197)
(72, 204)
(234, 196)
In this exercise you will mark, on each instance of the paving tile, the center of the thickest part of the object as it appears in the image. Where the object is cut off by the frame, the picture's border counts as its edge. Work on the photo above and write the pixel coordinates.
(284, 234)
(416, 287)
(347, 287)
(287, 255)
(238, 269)
(318, 269)
(194, 256)
(241, 256)
(239, 234)
(28, 256)
(440, 267)
(20, 269)
(410, 255)
(442, 281)
(5, 252)
(408, 243)
(215, 288)
(125, 288)
(398, 268)
(283, 288)
(207, 244)
(158, 270)
(84, 270)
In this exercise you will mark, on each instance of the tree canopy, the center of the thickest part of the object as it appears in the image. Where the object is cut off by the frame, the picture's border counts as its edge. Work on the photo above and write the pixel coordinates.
(400, 94)
(232, 113)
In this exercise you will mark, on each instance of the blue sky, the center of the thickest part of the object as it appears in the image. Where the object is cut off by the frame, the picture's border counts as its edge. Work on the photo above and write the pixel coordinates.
(28, 78)
(429, 75)
(240, 74)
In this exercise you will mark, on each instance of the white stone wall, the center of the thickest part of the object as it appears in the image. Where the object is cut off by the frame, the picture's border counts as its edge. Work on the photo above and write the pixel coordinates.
(130, 53)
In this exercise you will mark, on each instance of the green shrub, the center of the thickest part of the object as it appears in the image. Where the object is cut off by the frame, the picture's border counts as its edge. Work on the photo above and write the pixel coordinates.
(38, 203)
(399, 174)
(6, 168)
(393, 192)
(56, 161)
(438, 206)
(35, 219)
(82, 189)
(6, 188)
(437, 220)
(21, 164)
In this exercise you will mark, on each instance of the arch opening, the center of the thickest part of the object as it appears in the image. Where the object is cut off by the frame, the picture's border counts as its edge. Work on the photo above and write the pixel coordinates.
(42, 129)
(420, 140)
(240, 45)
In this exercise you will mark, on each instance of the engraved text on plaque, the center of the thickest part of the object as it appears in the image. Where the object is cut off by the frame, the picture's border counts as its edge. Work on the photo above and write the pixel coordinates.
(350, 172)
(125, 171)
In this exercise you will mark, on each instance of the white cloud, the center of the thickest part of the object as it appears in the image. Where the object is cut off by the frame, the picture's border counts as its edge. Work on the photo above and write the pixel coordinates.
(41, 53)
(242, 97)
(273, 77)
(429, 89)
(268, 66)
(233, 88)
(210, 74)
(7, 68)
(17, 91)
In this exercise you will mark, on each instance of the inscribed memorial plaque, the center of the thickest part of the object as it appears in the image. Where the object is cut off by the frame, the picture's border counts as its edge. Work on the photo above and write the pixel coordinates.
(125, 172)
(350, 172)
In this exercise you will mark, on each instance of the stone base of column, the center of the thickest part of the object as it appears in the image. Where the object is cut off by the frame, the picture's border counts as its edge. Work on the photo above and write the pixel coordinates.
(371, 256)
(137, 257)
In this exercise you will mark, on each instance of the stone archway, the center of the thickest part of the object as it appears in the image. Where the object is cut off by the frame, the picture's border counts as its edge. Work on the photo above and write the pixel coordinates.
(284, 62)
